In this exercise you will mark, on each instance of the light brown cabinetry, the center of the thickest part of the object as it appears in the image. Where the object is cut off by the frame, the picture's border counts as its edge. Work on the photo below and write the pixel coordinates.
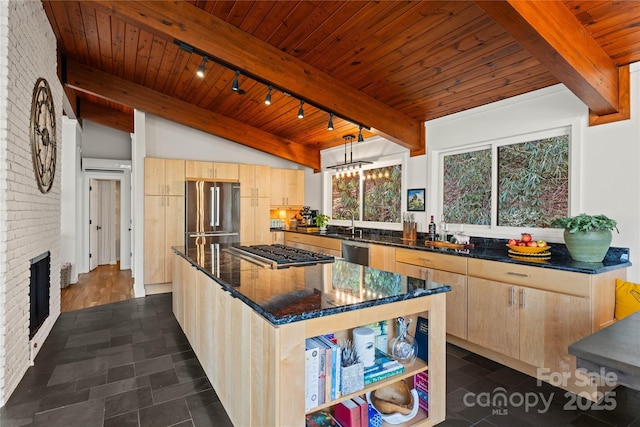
(382, 257)
(323, 245)
(196, 169)
(287, 188)
(163, 217)
(163, 177)
(526, 317)
(257, 369)
(440, 268)
(254, 204)
(277, 237)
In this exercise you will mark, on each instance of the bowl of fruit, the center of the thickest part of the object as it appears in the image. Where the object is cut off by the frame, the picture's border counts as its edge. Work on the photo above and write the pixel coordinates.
(527, 245)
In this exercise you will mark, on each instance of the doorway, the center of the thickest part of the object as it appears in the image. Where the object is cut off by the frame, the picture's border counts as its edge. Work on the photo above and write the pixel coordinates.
(104, 222)
(106, 225)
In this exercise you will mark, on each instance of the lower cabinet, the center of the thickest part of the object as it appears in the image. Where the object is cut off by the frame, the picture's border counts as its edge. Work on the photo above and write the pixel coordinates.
(532, 325)
(163, 228)
(320, 244)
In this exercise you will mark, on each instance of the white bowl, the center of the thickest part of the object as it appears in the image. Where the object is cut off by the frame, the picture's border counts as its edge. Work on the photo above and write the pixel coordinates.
(397, 417)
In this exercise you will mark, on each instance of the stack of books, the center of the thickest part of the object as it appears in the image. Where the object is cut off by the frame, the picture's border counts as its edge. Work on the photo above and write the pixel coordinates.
(384, 367)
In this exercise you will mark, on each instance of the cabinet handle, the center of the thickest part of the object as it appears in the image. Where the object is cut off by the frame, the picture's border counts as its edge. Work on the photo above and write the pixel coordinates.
(167, 201)
(522, 298)
(511, 295)
(167, 189)
(425, 259)
(517, 274)
(257, 194)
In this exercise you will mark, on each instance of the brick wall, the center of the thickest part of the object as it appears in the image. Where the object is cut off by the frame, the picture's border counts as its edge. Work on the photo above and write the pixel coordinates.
(29, 220)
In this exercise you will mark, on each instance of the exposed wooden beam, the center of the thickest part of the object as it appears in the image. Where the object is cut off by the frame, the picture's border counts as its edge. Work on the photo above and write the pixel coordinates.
(106, 116)
(86, 79)
(553, 35)
(188, 23)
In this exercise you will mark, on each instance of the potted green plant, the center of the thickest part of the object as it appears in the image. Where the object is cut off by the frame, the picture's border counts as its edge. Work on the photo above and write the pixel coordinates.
(587, 236)
(321, 221)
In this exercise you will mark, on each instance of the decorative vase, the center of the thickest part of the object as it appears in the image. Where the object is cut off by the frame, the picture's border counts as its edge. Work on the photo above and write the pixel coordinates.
(403, 347)
(323, 228)
(352, 378)
(588, 246)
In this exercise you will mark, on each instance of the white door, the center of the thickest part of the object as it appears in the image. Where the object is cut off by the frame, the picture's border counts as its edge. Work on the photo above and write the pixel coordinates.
(94, 210)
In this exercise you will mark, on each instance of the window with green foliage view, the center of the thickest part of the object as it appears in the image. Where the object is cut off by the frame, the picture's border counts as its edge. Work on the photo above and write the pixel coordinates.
(532, 183)
(375, 193)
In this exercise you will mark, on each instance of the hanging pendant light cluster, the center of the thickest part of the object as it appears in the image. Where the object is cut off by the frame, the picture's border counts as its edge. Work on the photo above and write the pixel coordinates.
(235, 86)
(349, 168)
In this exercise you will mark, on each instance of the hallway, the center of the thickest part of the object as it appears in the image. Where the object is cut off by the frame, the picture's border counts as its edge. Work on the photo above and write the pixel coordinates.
(104, 285)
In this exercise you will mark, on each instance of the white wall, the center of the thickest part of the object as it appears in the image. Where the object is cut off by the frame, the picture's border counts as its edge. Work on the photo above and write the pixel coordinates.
(30, 220)
(101, 142)
(606, 156)
(70, 192)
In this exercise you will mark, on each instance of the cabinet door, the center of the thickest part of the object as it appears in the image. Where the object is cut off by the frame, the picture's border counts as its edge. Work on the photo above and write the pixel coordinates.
(493, 316)
(154, 239)
(177, 299)
(205, 313)
(225, 171)
(262, 181)
(262, 234)
(247, 219)
(173, 229)
(154, 177)
(277, 237)
(382, 257)
(190, 293)
(456, 301)
(549, 323)
(195, 169)
(174, 177)
(278, 187)
(295, 187)
(246, 176)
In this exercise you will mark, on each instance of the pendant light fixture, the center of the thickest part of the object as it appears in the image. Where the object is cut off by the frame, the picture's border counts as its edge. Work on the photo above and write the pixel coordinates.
(350, 165)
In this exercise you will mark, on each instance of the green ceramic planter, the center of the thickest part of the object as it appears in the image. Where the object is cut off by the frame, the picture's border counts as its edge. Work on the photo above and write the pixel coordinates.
(588, 246)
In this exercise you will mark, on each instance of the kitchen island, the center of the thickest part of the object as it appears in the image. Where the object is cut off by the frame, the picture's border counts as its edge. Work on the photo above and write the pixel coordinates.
(248, 323)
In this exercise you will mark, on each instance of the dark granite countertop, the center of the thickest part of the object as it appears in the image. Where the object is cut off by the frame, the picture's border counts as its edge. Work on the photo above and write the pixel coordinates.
(488, 249)
(615, 348)
(299, 293)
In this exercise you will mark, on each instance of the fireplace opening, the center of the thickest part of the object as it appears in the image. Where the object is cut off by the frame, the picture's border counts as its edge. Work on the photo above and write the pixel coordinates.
(39, 292)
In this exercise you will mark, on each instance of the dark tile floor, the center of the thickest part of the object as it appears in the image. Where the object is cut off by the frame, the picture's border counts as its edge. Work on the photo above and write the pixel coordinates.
(128, 364)
(125, 364)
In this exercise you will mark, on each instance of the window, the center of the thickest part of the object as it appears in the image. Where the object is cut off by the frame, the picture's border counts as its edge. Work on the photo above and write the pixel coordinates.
(374, 194)
(517, 183)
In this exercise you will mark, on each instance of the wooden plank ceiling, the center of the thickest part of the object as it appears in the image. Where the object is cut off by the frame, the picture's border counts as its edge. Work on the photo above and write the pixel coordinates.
(388, 66)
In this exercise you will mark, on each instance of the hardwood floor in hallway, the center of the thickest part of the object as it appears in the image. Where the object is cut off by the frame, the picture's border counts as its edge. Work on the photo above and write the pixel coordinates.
(104, 285)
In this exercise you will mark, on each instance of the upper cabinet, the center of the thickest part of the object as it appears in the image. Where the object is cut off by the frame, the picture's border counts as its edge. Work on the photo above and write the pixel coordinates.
(255, 181)
(287, 188)
(164, 177)
(211, 170)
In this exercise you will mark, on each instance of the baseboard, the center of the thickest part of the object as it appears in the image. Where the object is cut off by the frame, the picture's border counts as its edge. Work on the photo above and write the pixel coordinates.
(158, 288)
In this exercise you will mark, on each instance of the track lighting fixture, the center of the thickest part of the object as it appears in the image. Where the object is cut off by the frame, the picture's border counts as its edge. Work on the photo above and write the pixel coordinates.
(236, 86)
(360, 138)
(201, 68)
(301, 110)
(267, 100)
(330, 124)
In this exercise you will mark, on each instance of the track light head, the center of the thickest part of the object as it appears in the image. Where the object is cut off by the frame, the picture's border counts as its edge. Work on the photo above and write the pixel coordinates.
(330, 124)
(236, 85)
(267, 100)
(201, 68)
(360, 138)
(301, 110)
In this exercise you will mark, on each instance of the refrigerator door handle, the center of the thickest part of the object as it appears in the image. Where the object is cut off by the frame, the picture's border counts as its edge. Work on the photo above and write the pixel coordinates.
(213, 234)
(215, 206)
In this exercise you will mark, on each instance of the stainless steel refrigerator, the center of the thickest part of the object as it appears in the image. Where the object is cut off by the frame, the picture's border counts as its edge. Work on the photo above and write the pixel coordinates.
(212, 212)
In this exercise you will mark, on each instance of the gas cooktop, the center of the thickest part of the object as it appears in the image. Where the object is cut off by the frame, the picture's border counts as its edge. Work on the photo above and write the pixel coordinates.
(280, 256)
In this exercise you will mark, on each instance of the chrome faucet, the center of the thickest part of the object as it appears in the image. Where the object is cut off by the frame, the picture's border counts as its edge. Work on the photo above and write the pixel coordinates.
(353, 226)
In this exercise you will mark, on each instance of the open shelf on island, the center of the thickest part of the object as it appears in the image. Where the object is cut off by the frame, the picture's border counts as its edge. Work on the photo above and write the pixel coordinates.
(418, 366)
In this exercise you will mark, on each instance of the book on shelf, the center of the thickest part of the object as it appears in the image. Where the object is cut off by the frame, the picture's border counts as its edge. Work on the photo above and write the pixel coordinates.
(421, 384)
(383, 367)
(311, 366)
(336, 363)
(321, 419)
(347, 413)
(422, 338)
(364, 410)
(326, 370)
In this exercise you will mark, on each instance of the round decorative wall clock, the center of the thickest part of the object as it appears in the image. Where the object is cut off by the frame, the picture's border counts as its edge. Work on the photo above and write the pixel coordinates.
(43, 135)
